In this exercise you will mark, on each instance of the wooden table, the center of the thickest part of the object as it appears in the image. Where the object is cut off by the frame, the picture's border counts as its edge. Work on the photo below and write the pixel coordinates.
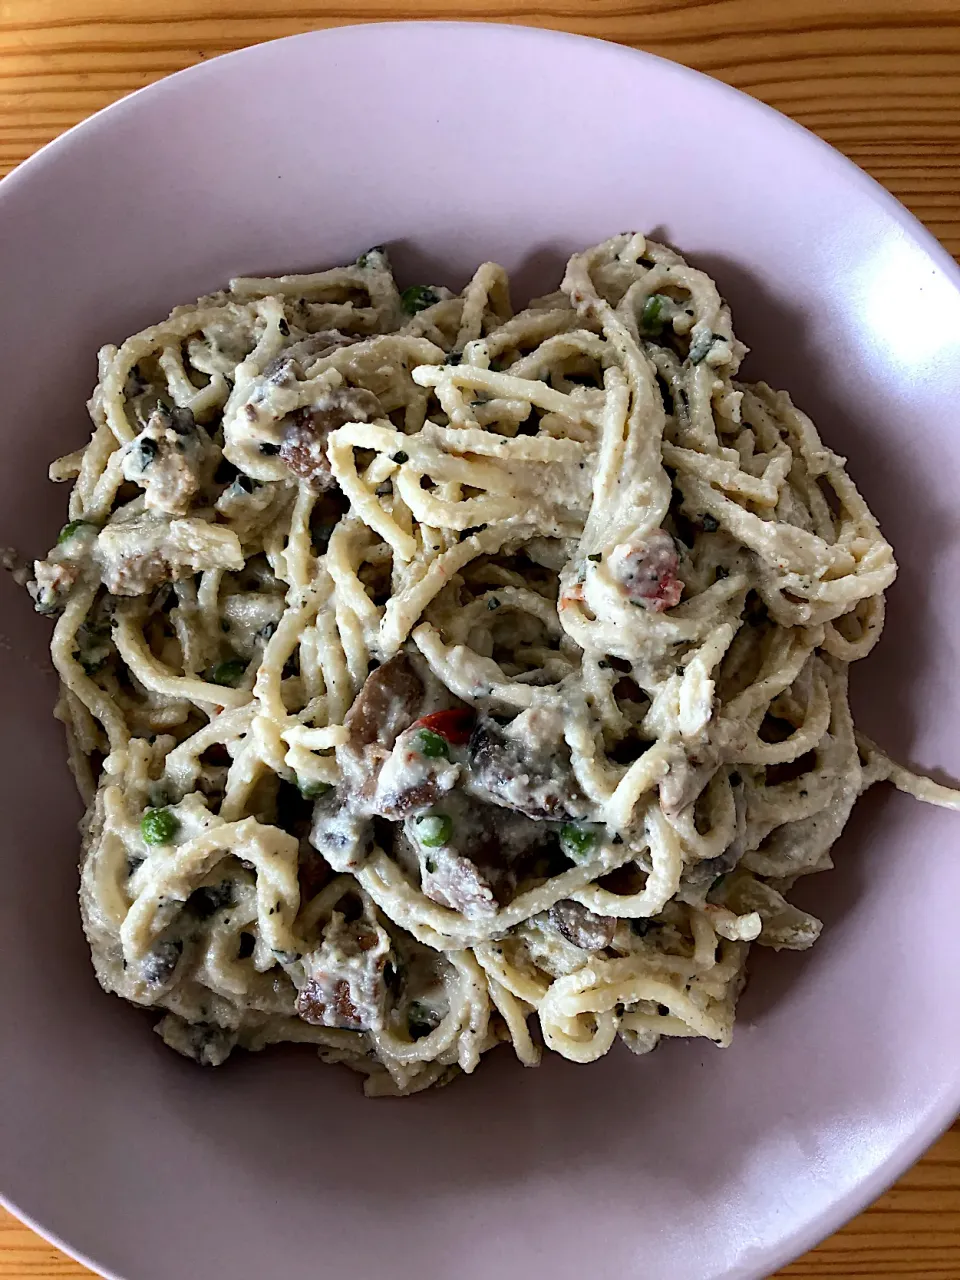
(880, 79)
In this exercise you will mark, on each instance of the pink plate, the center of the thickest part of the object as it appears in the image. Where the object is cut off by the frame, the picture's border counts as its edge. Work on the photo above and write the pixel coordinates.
(456, 143)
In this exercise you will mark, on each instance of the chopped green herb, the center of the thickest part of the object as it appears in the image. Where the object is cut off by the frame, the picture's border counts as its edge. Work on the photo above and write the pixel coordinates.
(74, 526)
(432, 745)
(603, 664)
(228, 673)
(421, 1019)
(313, 790)
(417, 298)
(159, 826)
(430, 865)
(700, 346)
(434, 830)
(401, 457)
(148, 449)
(651, 317)
(284, 327)
(453, 357)
(596, 558)
(575, 841)
(375, 257)
(710, 523)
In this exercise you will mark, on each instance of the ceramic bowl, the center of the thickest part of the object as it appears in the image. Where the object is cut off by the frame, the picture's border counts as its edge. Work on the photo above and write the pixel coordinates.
(456, 143)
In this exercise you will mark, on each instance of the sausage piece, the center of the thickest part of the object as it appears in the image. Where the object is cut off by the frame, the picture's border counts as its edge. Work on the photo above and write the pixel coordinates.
(581, 926)
(386, 705)
(304, 444)
(345, 985)
(525, 769)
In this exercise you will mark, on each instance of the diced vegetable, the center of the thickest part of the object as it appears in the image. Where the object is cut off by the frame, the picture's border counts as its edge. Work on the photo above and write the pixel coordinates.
(313, 790)
(576, 841)
(417, 298)
(651, 317)
(74, 526)
(228, 673)
(455, 725)
(700, 346)
(159, 826)
(432, 745)
(434, 830)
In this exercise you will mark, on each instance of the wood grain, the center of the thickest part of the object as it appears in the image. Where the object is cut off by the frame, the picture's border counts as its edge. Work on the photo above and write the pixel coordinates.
(880, 79)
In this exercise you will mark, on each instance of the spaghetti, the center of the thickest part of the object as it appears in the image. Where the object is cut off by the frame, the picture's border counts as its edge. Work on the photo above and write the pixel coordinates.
(427, 667)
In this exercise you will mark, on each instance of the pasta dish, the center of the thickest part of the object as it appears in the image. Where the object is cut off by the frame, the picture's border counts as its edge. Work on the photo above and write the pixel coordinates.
(437, 676)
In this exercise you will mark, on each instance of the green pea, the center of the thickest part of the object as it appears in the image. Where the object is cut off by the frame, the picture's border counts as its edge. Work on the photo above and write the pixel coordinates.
(434, 830)
(575, 841)
(74, 526)
(159, 826)
(313, 790)
(432, 745)
(417, 298)
(228, 673)
(651, 316)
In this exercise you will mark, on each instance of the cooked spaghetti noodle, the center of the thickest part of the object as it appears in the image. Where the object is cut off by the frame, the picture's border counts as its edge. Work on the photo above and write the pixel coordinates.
(429, 668)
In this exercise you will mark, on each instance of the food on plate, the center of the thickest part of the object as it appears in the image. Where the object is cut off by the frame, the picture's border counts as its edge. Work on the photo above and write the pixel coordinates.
(437, 675)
